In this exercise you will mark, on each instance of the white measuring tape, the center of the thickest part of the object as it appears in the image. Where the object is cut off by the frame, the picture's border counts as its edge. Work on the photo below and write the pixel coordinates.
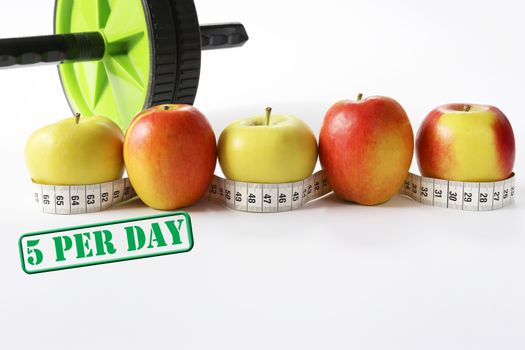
(268, 198)
(472, 196)
(274, 198)
(66, 200)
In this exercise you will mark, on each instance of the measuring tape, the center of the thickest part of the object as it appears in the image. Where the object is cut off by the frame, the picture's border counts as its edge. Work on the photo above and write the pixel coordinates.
(268, 198)
(471, 196)
(66, 200)
(274, 198)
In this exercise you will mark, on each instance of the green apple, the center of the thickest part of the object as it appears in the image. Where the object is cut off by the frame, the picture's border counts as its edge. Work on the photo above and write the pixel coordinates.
(76, 151)
(268, 149)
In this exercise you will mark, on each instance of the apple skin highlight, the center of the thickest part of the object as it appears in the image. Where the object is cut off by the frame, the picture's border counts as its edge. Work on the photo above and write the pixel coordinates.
(170, 154)
(475, 146)
(366, 148)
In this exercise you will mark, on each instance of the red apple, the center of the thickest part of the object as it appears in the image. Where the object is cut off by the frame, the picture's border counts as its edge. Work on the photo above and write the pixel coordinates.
(366, 148)
(466, 142)
(170, 154)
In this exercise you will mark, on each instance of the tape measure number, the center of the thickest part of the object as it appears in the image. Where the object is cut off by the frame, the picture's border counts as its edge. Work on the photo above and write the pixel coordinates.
(66, 200)
(471, 196)
(268, 198)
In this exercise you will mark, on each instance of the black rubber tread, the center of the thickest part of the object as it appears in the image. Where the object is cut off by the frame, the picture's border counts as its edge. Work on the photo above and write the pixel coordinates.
(175, 43)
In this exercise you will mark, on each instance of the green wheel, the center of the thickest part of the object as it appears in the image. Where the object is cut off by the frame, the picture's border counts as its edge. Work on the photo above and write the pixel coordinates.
(152, 55)
(118, 57)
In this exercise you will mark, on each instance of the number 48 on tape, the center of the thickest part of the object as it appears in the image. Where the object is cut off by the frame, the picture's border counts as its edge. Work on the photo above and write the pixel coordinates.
(268, 198)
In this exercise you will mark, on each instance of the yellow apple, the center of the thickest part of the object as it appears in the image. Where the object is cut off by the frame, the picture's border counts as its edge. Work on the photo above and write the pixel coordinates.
(268, 149)
(76, 151)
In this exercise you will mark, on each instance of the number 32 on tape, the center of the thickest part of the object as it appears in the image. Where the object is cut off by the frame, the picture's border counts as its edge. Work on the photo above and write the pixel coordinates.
(471, 196)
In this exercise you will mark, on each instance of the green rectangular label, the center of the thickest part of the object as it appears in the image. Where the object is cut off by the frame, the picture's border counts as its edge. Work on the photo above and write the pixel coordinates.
(106, 242)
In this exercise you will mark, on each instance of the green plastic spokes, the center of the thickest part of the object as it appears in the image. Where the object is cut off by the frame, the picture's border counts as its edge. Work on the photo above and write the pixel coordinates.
(116, 86)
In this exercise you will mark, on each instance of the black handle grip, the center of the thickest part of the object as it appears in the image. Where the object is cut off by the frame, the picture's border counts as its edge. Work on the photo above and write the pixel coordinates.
(51, 49)
(223, 36)
(78, 47)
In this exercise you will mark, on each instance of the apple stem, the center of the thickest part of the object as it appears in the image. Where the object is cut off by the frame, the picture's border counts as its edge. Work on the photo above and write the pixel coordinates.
(359, 96)
(77, 118)
(268, 115)
(467, 108)
(166, 108)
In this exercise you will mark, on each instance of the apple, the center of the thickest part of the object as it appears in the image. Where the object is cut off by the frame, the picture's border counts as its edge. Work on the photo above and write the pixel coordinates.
(170, 154)
(466, 142)
(268, 149)
(366, 148)
(76, 151)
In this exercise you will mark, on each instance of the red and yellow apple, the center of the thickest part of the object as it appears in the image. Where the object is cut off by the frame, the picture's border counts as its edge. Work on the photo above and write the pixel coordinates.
(466, 142)
(366, 148)
(268, 149)
(170, 155)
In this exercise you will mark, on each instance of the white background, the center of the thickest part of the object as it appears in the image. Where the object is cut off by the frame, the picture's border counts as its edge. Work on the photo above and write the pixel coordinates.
(333, 275)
